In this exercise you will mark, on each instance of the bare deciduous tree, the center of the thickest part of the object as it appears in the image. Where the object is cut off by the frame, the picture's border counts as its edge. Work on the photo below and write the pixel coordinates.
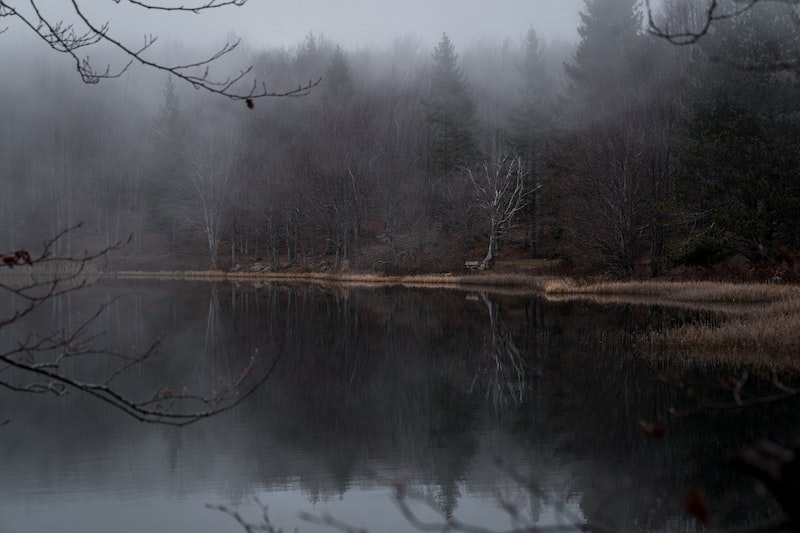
(607, 198)
(82, 31)
(500, 192)
(211, 182)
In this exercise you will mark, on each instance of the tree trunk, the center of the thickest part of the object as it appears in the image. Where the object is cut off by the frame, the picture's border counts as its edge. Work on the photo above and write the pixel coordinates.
(491, 253)
(233, 250)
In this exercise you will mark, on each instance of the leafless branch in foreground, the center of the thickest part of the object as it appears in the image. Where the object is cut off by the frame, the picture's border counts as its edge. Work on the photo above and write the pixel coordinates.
(60, 361)
(771, 465)
(67, 38)
(714, 12)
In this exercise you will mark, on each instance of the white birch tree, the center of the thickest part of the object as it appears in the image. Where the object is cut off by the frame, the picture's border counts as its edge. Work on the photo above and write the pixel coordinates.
(211, 176)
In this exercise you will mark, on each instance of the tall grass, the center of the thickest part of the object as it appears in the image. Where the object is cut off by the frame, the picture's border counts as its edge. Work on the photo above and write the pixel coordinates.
(676, 291)
(766, 335)
(755, 324)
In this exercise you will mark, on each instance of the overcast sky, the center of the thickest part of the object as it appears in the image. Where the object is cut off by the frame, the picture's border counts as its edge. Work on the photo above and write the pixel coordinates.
(354, 23)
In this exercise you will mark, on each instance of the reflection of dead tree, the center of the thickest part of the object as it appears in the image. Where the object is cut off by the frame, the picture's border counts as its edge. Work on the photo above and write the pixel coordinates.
(214, 357)
(71, 37)
(67, 360)
(503, 371)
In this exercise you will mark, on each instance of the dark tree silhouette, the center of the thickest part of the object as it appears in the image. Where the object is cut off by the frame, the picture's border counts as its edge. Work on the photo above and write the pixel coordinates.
(450, 112)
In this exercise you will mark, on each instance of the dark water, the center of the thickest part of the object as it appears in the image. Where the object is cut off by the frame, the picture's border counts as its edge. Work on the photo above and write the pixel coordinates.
(502, 411)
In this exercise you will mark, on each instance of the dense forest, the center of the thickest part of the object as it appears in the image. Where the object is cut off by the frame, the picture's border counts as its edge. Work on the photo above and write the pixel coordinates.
(621, 154)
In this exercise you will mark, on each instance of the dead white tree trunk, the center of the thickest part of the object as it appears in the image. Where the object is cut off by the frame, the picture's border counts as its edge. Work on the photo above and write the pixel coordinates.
(210, 196)
(500, 192)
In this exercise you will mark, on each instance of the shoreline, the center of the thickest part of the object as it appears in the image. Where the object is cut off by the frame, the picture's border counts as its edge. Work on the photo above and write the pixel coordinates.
(554, 287)
(758, 322)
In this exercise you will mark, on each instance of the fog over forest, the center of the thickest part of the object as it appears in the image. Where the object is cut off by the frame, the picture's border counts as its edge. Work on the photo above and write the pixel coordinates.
(628, 155)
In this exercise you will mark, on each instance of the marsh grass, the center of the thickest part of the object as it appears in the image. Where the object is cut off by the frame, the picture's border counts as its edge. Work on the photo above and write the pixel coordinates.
(766, 336)
(754, 324)
(676, 291)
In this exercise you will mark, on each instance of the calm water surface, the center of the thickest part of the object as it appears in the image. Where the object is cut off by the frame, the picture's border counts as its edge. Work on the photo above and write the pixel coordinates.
(481, 403)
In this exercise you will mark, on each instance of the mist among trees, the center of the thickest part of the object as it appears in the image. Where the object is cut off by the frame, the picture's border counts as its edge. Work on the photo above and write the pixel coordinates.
(622, 154)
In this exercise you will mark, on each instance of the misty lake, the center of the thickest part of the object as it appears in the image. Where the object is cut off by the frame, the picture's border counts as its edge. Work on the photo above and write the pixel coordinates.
(485, 405)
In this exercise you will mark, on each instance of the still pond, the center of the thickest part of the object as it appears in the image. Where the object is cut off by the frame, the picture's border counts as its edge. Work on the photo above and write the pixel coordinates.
(496, 410)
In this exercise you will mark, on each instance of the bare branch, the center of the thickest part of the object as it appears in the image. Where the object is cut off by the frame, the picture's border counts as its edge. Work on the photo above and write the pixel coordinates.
(713, 13)
(501, 193)
(212, 4)
(64, 38)
(37, 363)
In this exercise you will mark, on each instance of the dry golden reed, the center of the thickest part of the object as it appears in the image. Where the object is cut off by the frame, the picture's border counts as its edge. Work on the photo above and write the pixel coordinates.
(753, 324)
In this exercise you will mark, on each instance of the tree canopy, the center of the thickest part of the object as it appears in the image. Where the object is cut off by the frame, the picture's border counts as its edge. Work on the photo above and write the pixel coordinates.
(450, 112)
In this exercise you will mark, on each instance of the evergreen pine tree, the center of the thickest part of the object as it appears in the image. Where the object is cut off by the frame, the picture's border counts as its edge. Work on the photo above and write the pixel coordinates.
(450, 113)
(168, 133)
(533, 116)
(338, 78)
(617, 153)
(602, 75)
(738, 152)
(168, 160)
(530, 123)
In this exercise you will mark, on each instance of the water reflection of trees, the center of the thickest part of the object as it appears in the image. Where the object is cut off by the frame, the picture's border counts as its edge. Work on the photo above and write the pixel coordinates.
(402, 377)
(503, 370)
(419, 383)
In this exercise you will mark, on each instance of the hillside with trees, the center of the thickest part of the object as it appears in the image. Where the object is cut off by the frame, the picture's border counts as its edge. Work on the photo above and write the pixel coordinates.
(623, 155)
